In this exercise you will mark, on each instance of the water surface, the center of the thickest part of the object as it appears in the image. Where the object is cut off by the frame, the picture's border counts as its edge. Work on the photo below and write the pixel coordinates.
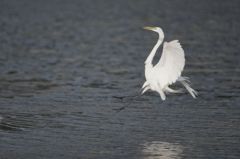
(65, 66)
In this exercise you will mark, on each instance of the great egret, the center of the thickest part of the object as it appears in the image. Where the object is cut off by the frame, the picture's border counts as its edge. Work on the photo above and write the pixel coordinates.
(168, 70)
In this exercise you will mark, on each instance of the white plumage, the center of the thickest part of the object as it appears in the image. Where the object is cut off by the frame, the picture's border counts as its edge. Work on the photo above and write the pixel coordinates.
(169, 68)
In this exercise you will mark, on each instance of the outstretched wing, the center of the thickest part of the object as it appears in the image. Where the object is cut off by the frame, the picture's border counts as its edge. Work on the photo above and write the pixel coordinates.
(172, 61)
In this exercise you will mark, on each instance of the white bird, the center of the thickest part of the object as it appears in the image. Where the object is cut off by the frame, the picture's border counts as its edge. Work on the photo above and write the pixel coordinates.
(168, 70)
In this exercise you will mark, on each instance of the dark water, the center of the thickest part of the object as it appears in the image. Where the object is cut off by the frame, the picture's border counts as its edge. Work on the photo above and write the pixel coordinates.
(64, 65)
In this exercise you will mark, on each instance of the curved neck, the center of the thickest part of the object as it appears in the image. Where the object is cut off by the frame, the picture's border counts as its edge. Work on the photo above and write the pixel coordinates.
(153, 52)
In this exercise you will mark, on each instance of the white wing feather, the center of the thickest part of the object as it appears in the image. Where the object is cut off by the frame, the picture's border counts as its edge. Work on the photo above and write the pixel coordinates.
(172, 62)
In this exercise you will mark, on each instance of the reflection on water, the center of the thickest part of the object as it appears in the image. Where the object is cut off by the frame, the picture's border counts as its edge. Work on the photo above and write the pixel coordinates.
(162, 150)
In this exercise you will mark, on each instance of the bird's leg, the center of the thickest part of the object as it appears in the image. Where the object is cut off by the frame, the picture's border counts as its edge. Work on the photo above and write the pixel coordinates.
(170, 90)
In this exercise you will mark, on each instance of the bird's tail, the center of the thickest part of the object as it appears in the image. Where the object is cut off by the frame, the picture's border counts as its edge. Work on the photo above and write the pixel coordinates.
(185, 82)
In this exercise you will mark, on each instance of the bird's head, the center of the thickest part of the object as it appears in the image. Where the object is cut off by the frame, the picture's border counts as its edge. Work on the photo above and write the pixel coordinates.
(155, 29)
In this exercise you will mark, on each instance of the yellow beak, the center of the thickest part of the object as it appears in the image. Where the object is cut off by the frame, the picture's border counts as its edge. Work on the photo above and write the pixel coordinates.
(149, 28)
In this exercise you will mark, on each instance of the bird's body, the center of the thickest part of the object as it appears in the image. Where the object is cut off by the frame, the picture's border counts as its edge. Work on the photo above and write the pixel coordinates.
(169, 68)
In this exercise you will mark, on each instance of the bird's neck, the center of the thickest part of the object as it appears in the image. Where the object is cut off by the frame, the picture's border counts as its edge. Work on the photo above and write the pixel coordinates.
(153, 52)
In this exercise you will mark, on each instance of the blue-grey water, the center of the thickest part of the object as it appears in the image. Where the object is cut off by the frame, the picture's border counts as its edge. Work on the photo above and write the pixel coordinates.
(70, 73)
